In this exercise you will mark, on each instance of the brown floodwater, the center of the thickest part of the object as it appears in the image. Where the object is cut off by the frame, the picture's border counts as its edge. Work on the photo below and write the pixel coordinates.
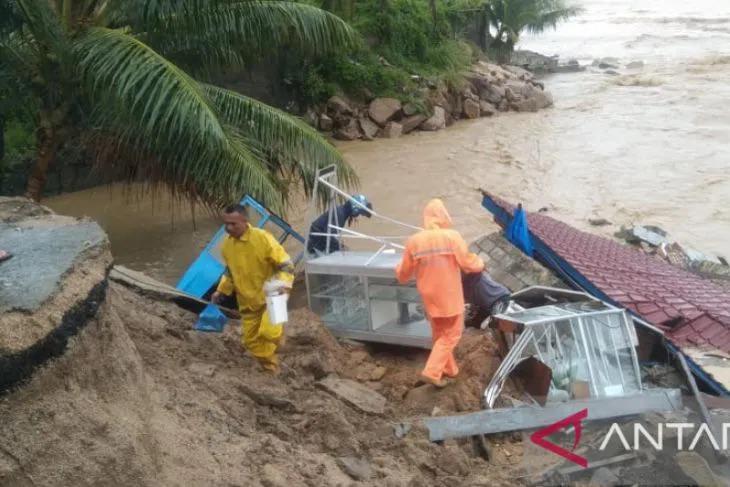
(647, 143)
(515, 155)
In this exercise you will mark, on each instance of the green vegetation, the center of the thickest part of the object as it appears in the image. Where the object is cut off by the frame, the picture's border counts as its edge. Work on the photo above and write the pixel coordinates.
(405, 43)
(509, 18)
(128, 84)
(126, 80)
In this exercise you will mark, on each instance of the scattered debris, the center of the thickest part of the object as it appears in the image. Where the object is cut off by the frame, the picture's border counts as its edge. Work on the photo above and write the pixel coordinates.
(652, 235)
(400, 430)
(669, 301)
(149, 286)
(202, 369)
(599, 222)
(700, 402)
(357, 395)
(356, 468)
(654, 240)
(663, 375)
(601, 464)
(696, 468)
(716, 402)
(524, 418)
(378, 373)
(538, 63)
(577, 339)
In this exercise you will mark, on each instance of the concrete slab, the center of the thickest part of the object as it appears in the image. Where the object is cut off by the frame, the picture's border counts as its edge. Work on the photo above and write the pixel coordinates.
(502, 420)
(357, 395)
(43, 253)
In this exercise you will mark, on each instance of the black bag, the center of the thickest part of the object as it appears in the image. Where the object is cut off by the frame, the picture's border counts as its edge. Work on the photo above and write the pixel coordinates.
(485, 297)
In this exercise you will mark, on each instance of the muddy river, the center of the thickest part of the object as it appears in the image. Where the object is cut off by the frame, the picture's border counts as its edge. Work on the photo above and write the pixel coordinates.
(648, 145)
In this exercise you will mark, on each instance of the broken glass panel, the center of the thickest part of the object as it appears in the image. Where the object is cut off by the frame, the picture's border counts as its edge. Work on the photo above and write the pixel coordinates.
(589, 346)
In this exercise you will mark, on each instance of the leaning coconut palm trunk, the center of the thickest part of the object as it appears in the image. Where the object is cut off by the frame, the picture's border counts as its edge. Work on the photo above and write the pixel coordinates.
(509, 18)
(124, 79)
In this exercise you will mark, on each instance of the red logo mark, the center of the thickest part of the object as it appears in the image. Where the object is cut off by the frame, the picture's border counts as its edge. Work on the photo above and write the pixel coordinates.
(539, 437)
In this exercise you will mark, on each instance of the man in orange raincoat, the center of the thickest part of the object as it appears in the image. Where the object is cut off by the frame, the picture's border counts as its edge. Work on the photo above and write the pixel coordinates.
(436, 256)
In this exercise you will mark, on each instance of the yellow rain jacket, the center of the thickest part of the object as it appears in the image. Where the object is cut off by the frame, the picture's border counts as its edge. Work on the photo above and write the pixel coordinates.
(250, 261)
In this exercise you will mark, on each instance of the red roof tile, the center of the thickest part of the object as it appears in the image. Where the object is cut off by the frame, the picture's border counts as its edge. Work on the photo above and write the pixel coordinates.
(696, 309)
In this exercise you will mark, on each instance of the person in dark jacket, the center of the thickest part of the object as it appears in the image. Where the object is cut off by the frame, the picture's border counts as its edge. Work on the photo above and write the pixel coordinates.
(343, 215)
(485, 296)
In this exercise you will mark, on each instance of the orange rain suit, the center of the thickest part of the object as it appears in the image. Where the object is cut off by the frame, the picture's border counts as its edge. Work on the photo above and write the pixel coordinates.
(436, 256)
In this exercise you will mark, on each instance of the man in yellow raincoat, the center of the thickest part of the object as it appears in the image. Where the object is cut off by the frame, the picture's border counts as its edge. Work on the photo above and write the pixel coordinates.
(254, 259)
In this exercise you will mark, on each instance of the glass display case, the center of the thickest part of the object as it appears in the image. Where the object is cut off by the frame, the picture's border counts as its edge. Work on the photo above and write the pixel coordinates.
(357, 296)
(589, 346)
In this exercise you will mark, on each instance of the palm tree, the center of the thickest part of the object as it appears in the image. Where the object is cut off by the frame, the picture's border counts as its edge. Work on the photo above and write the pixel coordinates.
(129, 80)
(509, 18)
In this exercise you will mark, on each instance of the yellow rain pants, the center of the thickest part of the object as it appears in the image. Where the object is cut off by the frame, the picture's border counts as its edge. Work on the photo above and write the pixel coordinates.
(250, 261)
(260, 337)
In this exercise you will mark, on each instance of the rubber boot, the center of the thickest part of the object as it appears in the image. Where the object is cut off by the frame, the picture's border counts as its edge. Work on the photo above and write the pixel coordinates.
(270, 365)
(436, 383)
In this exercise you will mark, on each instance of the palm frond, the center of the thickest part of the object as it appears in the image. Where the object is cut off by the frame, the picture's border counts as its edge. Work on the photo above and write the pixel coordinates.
(297, 146)
(172, 111)
(39, 19)
(511, 17)
(120, 152)
(10, 18)
(146, 102)
(251, 27)
(549, 19)
(252, 174)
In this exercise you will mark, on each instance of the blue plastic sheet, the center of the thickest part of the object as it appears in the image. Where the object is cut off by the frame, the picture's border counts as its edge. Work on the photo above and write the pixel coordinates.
(211, 319)
(519, 233)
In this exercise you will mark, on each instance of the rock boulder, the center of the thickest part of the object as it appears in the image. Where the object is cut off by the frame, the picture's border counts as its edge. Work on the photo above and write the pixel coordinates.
(325, 123)
(486, 109)
(355, 394)
(411, 123)
(368, 128)
(392, 130)
(437, 121)
(538, 100)
(338, 105)
(382, 110)
(410, 109)
(471, 108)
(350, 131)
(494, 94)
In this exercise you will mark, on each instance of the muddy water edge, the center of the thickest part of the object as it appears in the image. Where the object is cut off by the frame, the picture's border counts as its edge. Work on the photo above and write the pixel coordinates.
(514, 155)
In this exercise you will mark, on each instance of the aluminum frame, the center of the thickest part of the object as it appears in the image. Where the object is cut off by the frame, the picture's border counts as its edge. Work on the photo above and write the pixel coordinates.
(351, 264)
(327, 177)
(367, 266)
(582, 326)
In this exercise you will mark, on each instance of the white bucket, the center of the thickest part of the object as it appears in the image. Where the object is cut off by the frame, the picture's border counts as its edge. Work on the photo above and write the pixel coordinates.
(276, 306)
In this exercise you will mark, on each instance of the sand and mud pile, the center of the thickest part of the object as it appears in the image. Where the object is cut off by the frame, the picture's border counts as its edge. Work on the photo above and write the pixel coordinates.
(129, 394)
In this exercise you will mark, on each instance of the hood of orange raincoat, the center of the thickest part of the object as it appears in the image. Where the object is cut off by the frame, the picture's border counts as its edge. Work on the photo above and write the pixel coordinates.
(435, 215)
